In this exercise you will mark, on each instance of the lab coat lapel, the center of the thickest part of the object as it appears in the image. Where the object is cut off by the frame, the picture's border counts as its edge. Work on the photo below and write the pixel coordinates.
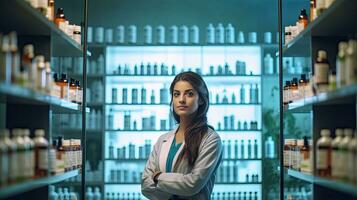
(165, 148)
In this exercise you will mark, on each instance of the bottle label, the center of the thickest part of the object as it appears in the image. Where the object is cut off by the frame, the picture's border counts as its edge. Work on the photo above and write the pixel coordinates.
(322, 158)
(335, 163)
(13, 166)
(43, 159)
(321, 73)
(65, 92)
(21, 166)
(56, 91)
(31, 164)
(343, 163)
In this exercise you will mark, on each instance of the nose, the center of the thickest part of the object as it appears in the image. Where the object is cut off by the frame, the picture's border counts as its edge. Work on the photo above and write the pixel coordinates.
(182, 99)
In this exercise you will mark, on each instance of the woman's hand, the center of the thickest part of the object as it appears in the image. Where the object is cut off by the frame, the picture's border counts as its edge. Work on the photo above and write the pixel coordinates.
(155, 176)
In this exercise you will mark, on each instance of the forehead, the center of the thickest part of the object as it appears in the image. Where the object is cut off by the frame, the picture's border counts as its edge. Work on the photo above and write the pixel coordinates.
(183, 86)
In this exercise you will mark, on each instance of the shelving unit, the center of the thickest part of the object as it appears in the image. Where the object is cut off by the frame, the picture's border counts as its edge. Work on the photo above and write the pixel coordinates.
(22, 107)
(20, 188)
(328, 110)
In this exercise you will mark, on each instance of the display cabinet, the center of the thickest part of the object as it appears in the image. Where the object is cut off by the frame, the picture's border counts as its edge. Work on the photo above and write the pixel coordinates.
(320, 165)
(36, 101)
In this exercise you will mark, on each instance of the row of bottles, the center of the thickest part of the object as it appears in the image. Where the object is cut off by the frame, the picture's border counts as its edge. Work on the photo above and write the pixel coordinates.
(123, 196)
(74, 65)
(164, 96)
(47, 8)
(163, 70)
(93, 174)
(62, 193)
(177, 35)
(241, 195)
(125, 176)
(37, 157)
(233, 172)
(290, 32)
(33, 72)
(74, 121)
(93, 195)
(296, 192)
(337, 158)
(229, 125)
(147, 123)
(325, 78)
(298, 154)
(245, 149)
(130, 151)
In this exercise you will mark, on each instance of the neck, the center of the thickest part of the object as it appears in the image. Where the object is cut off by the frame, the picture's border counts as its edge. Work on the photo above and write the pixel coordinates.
(184, 123)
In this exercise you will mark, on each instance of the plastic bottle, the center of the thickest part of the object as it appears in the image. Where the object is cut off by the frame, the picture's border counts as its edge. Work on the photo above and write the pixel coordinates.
(194, 34)
(269, 148)
(147, 34)
(242, 94)
(321, 70)
(335, 154)
(210, 34)
(219, 32)
(21, 152)
(89, 194)
(97, 195)
(268, 64)
(132, 36)
(341, 64)
(52, 194)
(160, 34)
(173, 35)
(30, 157)
(343, 148)
(323, 154)
(184, 34)
(230, 34)
(120, 34)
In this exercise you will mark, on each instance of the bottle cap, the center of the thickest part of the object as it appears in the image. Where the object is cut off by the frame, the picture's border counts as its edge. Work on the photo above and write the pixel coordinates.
(39, 132)
(16, 132)
(322, 54)
(26, 132)
(348, 132)
(29, 50)
(339, 132)
(325, 132)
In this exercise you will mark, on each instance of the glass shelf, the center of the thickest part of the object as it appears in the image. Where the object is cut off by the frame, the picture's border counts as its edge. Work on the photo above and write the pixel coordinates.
(19, 188)
(104, 45)
(89, 76)
(342, 95)
(63, 45)
(227, 79)
(228, 183)
(327, 24)
(17, 94)
(162, 104)
(332, 184)
(144, 160)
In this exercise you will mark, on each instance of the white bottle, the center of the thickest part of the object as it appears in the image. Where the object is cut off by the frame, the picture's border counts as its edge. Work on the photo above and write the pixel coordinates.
(60, 193)
(230, 34)
(194, 34)
(132, 34)
(321, 68)
(22, 149)
(323, 152)
(90, 34)
(65, 194)
(210, 34)
(173, 35)
(99, 35)
(335, 154)
(97, 195)
(351, 62)
(343, 148)
(160, 34)
(89, 194)
(352, 159)
(219, 34)
(147, 34)
(30, 157)
(240, 39)
(108, 35)
(268, 64)
(52, 194)
(341, 64)
(184, 34)
(120, 34)
(269, 148)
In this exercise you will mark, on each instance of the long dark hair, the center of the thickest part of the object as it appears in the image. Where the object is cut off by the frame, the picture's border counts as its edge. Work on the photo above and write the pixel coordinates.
(199, 127)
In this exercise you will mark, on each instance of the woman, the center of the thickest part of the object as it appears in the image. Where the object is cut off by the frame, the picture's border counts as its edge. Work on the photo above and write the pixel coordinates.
(184, 161)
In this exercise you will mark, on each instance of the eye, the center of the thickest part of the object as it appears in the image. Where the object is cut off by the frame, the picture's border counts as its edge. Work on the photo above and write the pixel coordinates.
(190, 94)
(176, 94)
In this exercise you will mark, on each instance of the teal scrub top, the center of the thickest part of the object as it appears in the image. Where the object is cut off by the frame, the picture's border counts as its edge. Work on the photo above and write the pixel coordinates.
(170, 158)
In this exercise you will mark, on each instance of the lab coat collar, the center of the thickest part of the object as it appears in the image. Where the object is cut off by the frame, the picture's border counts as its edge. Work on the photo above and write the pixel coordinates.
(165, 148)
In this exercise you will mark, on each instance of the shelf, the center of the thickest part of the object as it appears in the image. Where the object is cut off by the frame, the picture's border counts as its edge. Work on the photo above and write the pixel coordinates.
(37, 183)
(63, 45)
(163, 104)
(342, 95)
(230, 183)
(19, 95)
(80, 130)
(89, 76)
(95, 104)
(145, 159)
(162, 131)
(105, 45)
(329, 23)
(88, 183)
(224, 79)
(328, 183)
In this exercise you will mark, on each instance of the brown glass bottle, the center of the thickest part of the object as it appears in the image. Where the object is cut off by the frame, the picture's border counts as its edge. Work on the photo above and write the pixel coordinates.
(79, 93)
(60, 18)
(60, 156)
(63, 83)
(303, 19)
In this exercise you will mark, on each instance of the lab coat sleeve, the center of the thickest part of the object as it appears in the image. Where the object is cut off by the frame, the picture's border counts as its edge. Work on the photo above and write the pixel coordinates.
(148, 187)
(192, 183)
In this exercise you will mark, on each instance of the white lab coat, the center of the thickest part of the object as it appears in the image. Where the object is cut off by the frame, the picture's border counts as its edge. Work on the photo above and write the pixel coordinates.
(195, 183)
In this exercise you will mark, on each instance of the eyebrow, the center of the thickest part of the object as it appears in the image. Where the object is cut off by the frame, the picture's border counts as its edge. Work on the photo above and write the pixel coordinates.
(185, 90)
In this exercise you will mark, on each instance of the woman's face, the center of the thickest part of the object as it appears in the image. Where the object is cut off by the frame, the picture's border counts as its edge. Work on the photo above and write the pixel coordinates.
(185, 99)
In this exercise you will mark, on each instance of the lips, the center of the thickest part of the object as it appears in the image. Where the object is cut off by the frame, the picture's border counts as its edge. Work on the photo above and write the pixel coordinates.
(182, 107)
